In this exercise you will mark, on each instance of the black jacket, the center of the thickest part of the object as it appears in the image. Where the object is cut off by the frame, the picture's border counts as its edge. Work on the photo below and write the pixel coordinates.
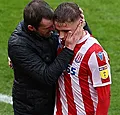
(36, 69)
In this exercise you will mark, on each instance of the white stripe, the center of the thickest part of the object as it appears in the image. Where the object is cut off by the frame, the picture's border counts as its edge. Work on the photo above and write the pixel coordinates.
(76, 88)
(6, 99)
(63, 98)
(94, 68)
(93, 94)
(55, 108)
(75, 79)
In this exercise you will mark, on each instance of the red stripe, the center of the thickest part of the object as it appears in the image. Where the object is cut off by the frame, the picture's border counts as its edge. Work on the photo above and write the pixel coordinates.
(68, 89)
(78, 46)
(83, 75)
(59, 104)
(69, 96)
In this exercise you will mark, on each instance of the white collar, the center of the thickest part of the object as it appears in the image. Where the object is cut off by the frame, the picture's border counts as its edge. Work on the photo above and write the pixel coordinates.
(84, 38)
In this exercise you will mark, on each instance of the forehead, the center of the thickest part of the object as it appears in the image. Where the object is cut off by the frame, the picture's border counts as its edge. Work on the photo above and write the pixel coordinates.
(46, 22)
(61, 26)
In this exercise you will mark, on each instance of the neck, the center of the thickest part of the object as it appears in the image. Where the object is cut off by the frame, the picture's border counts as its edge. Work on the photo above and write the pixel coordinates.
(83, 34)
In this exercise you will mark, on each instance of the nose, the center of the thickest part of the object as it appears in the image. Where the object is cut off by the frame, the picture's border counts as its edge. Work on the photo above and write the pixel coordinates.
(52, 28)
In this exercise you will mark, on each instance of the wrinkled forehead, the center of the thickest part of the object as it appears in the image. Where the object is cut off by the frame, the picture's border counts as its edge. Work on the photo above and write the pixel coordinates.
(46, 22)
(62, 26)
(65, 24)
(59, 24)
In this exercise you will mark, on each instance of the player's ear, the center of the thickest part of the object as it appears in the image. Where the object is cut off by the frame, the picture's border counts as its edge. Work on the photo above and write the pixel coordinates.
(31, 28)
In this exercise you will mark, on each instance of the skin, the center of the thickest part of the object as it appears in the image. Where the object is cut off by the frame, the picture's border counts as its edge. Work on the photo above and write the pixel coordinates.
(70, 29)
(45, 28)
(71, 36)
(69, 32)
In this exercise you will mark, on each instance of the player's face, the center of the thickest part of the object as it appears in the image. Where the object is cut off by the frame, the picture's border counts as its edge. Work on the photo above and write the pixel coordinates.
(64, 28)
(45, 28)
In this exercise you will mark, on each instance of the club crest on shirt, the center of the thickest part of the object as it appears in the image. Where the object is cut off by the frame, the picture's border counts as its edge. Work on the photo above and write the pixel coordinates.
(78, 58)
(100, 55)
(103, 72)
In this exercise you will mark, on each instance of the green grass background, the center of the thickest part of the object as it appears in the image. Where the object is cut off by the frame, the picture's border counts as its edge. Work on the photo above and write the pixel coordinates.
(103, 17)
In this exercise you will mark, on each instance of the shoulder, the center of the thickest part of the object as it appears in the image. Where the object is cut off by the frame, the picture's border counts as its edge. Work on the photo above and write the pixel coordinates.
(94, 44)
(18, 36)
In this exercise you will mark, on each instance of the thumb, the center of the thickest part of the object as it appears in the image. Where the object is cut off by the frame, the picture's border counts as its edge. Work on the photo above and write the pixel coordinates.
(68, 38)
(69, 34)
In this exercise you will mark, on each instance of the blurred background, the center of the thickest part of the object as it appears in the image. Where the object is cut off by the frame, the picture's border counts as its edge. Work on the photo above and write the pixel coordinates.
(103, 17)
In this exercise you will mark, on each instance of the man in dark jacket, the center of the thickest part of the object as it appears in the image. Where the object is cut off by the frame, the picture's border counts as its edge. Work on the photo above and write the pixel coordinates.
(32, 49)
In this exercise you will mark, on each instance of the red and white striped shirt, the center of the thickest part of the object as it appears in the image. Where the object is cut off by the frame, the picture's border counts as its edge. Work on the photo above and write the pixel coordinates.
(76, 93)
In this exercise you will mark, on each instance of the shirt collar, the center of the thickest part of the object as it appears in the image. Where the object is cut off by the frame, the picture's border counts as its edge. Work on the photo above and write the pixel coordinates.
(84, 38)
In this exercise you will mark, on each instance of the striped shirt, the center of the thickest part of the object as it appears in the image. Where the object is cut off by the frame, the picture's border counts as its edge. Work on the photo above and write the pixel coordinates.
(90, 68)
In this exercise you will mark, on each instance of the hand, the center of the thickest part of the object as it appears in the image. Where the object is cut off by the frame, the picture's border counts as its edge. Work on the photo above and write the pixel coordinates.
(82, 17)
(10, 63)
(73, 38)
(81, 13)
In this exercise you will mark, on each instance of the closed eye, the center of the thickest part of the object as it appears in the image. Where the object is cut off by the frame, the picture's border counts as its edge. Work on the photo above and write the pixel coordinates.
(62, 31)
(65, 31)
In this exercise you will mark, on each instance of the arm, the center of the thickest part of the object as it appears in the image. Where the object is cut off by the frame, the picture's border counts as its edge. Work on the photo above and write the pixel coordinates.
(26, 60)
(101, 78)
(103, 100)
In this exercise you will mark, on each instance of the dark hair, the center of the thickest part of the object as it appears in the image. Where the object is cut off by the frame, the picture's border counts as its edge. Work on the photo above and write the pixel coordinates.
(35, 11)
(67, 12)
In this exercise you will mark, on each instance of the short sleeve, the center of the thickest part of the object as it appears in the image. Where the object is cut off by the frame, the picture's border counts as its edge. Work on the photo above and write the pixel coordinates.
(100, 68)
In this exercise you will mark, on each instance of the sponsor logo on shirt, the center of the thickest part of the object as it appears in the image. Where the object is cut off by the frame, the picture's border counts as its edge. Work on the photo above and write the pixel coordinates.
(78, 58)
(103, 72)
(71, 70)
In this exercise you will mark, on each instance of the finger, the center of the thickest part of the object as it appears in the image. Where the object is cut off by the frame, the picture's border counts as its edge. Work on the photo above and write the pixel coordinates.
(78, 28)
(68, 40)
(78, 33)
(81, 11)
(82, 16)
(82, 23)
(69, 34)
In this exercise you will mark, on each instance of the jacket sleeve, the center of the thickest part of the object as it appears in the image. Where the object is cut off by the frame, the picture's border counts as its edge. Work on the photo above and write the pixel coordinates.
(29, 62)
(103, 100)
